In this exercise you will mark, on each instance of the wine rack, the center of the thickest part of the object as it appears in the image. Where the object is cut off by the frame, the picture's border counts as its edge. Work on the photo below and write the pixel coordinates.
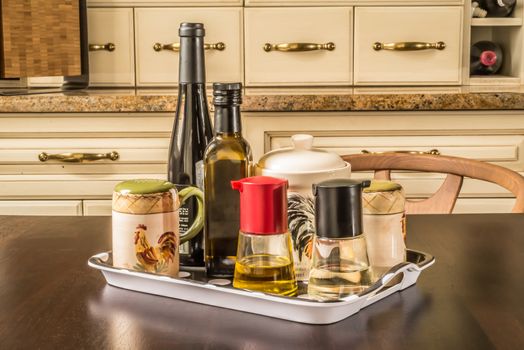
(508, 33)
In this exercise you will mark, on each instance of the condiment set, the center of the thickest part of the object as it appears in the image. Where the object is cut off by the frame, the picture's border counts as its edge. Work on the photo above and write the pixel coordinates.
(256, 231)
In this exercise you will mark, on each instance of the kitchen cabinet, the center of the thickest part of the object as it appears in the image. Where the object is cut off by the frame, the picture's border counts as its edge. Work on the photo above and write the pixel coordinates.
(283, 47)
(349, 42)
(400, 46)
(97, 207)
(141, 141)
(41, 207)
(157, 43)
(496, 137)
(111, 47)
(29, 186)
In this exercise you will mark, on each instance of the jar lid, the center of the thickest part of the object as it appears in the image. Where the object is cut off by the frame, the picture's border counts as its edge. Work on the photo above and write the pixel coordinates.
(302, 157)
(338, 208)
(383, 197)
(145, 196)
(143, 186)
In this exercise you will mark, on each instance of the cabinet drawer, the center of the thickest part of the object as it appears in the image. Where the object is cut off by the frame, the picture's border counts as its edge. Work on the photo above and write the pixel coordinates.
(504, 150)
(97, 207)
(59, 208)
(135, 155)
(276, 26)
(160, 25)
(111, 47)
(396, 25)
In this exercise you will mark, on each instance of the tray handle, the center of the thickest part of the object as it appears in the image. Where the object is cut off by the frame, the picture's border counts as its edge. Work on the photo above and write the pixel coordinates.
(399, 269)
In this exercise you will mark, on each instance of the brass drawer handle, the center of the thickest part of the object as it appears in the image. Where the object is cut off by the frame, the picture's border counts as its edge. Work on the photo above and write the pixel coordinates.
(434, 152)
(102, 47)
(78, 157)
(220, 46)
(409, 46)
(298, 47)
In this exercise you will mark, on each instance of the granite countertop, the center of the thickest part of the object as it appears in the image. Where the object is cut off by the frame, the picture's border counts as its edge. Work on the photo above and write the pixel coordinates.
(283, 100)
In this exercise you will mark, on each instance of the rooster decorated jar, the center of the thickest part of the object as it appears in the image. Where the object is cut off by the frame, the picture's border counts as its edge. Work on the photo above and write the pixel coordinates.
(146, 234)
(302, 165)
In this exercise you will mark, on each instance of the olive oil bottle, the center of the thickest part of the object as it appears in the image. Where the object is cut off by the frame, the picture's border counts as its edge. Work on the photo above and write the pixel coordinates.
(227, 158)
(264, 255)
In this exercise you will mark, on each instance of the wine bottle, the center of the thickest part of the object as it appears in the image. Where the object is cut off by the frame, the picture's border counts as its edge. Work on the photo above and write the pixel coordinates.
(499, 8)
(227, 158)
(191, 133)
(486, 58)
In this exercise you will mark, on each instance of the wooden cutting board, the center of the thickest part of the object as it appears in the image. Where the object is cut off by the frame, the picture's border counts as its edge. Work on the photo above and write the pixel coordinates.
(39, 38)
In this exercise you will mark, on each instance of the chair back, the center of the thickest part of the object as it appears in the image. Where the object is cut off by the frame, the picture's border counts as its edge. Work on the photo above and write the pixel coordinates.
(443, 201)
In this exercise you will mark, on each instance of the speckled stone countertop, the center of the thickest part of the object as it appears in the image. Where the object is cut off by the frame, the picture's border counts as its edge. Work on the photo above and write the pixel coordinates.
(284, 100)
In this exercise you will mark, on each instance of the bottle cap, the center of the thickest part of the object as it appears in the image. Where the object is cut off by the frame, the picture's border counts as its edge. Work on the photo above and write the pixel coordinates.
(263, 204)
(191, 30)
(488, 58)
(227, 94)
(191, 58)
(338, 208)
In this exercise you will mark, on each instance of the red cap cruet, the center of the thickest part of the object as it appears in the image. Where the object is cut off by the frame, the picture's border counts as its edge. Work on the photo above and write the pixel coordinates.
(263, 204)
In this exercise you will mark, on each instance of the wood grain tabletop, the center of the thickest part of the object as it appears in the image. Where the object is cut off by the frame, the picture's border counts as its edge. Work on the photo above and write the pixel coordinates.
(471, 298)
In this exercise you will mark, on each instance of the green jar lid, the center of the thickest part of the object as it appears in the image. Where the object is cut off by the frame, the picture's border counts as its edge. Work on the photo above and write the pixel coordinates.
(382, 186)
(143, 186)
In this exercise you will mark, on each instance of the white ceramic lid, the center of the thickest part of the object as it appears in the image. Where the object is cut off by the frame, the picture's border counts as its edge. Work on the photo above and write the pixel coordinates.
(302, 157)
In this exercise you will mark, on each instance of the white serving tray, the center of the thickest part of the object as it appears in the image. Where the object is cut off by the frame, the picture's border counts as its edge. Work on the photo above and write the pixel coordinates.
(196, 287)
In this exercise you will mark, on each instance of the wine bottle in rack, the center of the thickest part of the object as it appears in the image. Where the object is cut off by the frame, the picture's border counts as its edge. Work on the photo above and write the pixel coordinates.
(486, 58)
(499, 8)
(191, 134)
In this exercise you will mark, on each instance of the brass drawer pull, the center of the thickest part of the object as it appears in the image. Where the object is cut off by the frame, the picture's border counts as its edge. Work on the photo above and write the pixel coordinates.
(434, 152)
(298, 47)
(78, 157)
(409, 46)
(220, 46)
(105, 47)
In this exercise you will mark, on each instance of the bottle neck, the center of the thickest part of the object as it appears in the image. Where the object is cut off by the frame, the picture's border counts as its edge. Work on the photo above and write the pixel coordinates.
(227, 120)
(191, 61)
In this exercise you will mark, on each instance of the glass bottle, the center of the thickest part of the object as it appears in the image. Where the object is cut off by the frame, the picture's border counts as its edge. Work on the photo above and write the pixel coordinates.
(228, 157)
(191, 134)
(486, 58)
(340, 265)
(499, 8)
(264, 257)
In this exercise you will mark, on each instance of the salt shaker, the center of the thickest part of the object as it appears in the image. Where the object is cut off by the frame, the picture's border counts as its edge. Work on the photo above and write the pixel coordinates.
(384, 220)
(340, 265)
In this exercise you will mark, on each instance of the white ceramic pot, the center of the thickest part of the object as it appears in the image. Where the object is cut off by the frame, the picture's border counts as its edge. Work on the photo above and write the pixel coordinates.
(302, 165)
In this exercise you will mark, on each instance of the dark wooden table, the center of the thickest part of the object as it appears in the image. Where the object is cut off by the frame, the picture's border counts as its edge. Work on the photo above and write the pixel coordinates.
(472, 298)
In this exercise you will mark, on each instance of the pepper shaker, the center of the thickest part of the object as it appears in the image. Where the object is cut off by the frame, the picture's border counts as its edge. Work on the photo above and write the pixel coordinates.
(340, 265)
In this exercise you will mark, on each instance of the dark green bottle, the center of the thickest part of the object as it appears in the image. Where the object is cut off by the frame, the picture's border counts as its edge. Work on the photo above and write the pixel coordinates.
(227, 158)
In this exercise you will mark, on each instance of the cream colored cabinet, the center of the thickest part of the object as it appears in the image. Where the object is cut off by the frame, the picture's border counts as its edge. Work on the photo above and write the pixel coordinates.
(157, 43)
(298, 46)
(496, 137)
(97, 207)
(140, 140)
(408, 45)
(50, 208)
(111, 47)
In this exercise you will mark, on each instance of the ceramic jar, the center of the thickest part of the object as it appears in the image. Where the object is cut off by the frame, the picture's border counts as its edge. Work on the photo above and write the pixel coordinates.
(302, 165)
(385, 225)
(146, 234)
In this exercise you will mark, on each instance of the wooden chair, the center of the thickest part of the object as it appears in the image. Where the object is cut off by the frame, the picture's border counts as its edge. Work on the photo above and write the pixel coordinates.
(443, 201)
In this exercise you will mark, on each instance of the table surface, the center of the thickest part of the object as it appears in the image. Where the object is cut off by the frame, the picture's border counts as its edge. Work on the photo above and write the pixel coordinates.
(472, 298)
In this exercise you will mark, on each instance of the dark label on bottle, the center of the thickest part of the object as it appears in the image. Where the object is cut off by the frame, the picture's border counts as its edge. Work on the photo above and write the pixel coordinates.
(183, 226)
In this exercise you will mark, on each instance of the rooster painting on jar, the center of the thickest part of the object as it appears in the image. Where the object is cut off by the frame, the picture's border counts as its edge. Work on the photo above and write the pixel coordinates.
(302, 165)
